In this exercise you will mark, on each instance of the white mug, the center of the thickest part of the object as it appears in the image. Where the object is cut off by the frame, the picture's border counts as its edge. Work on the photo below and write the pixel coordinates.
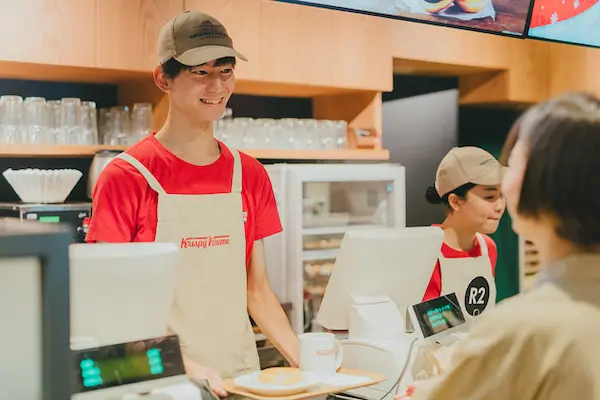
(320, 352)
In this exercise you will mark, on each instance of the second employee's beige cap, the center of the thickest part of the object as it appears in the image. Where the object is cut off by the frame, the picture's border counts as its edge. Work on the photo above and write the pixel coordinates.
(464, 165)
(195, 38)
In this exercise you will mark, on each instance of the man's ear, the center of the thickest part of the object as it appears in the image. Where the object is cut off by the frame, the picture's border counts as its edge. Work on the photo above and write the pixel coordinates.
(161, 80)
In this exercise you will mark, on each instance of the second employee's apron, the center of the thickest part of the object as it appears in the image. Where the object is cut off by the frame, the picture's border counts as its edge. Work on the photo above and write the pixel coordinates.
(209, 311)
(471, 279)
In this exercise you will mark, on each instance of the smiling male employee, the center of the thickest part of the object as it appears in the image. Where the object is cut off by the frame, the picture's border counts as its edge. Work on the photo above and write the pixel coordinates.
(181, 185)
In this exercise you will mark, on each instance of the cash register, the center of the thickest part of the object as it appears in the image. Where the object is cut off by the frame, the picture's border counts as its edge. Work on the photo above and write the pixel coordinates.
(375, 293)
(86, 321)
(121, 297)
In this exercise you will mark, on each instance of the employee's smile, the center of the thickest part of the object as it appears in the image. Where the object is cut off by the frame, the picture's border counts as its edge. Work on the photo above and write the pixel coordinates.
(212, 102)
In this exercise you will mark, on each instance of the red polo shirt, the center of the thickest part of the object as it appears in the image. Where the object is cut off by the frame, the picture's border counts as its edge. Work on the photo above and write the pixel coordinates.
(434, 289)
(124, 207)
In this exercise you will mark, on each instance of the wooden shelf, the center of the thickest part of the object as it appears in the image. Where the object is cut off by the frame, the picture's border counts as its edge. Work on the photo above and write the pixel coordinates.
(362, 155)
(63, 73)
(273, 154)
(60, 73)
(53, 151)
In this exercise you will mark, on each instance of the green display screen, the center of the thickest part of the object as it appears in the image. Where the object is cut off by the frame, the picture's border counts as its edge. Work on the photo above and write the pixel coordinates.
(439, 314)
(122, 369)
(127, 363)
(49, 218)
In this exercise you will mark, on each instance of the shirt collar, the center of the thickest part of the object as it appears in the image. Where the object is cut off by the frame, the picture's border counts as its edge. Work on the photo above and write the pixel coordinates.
(577, 275)
(571, 268)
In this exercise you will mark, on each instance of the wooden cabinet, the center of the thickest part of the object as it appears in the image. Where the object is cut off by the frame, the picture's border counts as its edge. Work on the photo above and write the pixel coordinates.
(305, 45)
(293, 50)
(296, 44)
(529, 73)
(361, 51)
(493, 69)
(58, 32)
(242, 18)
(574, 69)
(128, 31)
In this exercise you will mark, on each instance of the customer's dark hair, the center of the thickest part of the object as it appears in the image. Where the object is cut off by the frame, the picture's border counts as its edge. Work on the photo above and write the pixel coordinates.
(172, 68)
(433, 197)
(510, 141)
(562, 180)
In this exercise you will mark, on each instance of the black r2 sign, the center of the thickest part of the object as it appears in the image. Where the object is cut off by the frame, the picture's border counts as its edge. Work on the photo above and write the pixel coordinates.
(477, 296)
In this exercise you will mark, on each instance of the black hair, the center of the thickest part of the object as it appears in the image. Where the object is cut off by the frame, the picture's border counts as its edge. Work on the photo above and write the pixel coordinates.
(561, 181)
(432, 196)
(172, 68)
(510, 141)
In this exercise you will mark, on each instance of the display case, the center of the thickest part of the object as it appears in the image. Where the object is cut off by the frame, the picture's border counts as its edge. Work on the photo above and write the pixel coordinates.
(318, 204)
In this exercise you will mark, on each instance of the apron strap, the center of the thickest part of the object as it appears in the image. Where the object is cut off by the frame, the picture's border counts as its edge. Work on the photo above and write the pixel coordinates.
(236, 181)
(482, 244)
(152, 182)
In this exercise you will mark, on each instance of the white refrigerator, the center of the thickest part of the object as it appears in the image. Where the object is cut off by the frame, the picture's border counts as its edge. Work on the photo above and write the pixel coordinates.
(317, 204)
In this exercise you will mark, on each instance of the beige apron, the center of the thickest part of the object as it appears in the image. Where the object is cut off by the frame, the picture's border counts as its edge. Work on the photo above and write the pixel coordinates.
(472, 281)
(209, 311)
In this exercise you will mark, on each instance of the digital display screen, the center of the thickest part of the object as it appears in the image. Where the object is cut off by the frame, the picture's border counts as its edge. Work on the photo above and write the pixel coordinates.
(508, 17)
(438, 315)
(127, 363)
(49, 218)
(568, 21)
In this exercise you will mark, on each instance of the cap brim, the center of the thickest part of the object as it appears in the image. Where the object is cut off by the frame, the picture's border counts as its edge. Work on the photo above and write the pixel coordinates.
(204, 54)
(491, 177)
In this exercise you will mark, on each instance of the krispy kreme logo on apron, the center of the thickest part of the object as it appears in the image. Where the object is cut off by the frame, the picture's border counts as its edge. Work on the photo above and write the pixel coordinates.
(203, 242)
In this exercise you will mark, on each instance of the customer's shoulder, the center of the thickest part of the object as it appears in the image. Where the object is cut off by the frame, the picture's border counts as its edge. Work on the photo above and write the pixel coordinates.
(544, 313)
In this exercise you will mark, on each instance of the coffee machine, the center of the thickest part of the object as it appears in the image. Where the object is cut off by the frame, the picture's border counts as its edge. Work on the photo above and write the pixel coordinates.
(75, 214)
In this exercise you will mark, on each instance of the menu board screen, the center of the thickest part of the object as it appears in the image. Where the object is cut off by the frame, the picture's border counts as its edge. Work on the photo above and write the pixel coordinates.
(568, 21)
(507, 17)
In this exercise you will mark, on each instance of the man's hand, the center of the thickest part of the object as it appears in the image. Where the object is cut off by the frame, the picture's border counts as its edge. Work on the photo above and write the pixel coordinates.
(265, 309)
(198, 371)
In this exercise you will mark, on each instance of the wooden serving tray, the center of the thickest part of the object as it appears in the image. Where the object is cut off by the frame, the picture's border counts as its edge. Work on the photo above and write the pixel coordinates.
(318, 390)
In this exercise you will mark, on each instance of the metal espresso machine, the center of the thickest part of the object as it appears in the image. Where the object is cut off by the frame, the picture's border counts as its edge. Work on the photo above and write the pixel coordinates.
(121, 297)
(375, 293)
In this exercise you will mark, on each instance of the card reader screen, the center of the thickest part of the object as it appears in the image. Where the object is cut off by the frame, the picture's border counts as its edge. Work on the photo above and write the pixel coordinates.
(438, 315)
(127, 363)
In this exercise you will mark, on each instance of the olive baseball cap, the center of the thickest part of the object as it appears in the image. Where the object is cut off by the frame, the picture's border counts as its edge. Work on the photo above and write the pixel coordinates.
(467, 164)
(195, 38)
